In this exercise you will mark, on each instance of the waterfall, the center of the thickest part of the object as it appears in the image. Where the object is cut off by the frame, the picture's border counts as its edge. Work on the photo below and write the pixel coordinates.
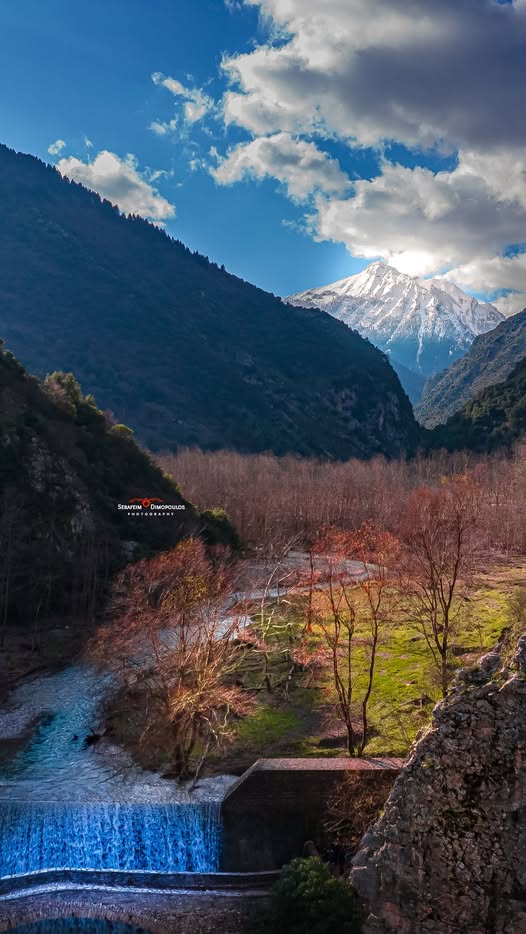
(157, 837)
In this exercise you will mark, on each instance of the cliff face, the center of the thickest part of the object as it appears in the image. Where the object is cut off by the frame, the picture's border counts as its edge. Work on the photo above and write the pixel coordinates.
(448, 854)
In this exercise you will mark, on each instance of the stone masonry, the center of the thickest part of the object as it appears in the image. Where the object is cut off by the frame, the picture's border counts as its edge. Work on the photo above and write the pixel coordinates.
(448, 855)
(227, 912)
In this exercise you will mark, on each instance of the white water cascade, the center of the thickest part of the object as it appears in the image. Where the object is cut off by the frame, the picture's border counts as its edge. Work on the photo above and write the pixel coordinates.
(156, 837)
(67, 805)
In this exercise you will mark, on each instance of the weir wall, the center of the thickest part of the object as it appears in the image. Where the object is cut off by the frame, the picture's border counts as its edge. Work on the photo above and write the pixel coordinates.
(279, 804)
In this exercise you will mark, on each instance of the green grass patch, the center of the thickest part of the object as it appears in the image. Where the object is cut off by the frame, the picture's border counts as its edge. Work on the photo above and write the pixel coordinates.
(266, 727)
(304, 723)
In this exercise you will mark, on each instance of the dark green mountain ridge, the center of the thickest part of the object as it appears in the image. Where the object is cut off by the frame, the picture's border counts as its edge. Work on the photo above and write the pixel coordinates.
(490, 360)
(182, 351)
(495, 419)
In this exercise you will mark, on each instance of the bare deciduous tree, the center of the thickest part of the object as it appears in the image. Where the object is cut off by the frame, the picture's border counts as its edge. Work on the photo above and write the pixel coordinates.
(354, 805)
(294, 497)
(168, 641)
(353, 608)
(440, 530)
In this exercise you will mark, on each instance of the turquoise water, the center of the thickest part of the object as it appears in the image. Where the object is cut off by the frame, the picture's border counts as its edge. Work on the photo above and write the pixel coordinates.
(67, 805)
(56, 764)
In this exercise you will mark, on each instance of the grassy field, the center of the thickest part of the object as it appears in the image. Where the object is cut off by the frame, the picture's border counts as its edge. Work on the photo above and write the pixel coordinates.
(301, 722)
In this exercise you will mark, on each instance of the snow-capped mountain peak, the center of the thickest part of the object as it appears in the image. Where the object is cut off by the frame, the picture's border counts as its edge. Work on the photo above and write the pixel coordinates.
(423, 324)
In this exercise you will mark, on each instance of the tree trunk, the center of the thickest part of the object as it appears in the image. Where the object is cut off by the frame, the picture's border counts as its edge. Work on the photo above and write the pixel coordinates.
(444, 676)
(351, 745)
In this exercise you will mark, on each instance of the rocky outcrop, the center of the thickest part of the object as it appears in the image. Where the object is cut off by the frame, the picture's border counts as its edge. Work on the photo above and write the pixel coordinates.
(449, 853)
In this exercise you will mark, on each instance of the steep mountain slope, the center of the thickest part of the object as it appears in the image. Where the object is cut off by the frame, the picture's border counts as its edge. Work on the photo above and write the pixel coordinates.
(63, 472)
(185, 353)
(490, 359)
(495, 418)
(422, 323)
(412, 382)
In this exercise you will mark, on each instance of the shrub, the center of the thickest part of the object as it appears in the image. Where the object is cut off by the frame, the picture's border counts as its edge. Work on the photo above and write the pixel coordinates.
(122, 431)
(217, 528)
(308, 898)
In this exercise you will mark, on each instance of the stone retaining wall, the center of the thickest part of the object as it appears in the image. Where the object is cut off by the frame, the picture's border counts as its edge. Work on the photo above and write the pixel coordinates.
(158, 913)
(268, 815)
(118, 879)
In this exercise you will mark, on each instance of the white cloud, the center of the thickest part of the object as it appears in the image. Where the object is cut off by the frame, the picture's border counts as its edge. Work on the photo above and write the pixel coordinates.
(447, 71)
(197, 107)
(197, 163)
(446, 75)
(152, 175)
(499, 272)
(423, 223)
(510, 304)
(120, 181)
(300, 165)
(163, 129)
(196, 103)
(427, 221)
(55, 148)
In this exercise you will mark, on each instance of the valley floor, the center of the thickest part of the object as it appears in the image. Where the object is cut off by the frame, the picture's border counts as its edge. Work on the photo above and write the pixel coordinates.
(294, 710)
(302, 722)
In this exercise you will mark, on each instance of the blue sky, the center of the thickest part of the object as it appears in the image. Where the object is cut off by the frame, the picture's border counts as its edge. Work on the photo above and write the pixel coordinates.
(292, 141)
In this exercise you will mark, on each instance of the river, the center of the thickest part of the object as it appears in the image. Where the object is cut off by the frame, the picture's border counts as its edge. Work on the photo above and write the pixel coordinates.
(66, 804)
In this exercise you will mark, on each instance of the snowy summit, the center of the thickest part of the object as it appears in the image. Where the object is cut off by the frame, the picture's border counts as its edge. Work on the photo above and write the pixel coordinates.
(423, 324)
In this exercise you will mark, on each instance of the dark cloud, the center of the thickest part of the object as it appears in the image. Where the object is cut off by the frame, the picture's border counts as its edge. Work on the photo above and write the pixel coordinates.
(447, 71)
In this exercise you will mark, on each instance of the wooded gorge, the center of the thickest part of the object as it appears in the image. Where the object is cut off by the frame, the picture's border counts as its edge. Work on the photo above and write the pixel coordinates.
(180, 350)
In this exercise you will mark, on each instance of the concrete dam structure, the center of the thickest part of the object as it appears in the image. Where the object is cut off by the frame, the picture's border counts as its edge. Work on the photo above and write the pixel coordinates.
(193, 868)
(279, 804)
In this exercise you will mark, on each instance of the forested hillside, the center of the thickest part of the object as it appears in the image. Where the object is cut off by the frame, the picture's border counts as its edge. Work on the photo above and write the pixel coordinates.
(490, 360)
(63, 472)
(494, 419)
(180, 350)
